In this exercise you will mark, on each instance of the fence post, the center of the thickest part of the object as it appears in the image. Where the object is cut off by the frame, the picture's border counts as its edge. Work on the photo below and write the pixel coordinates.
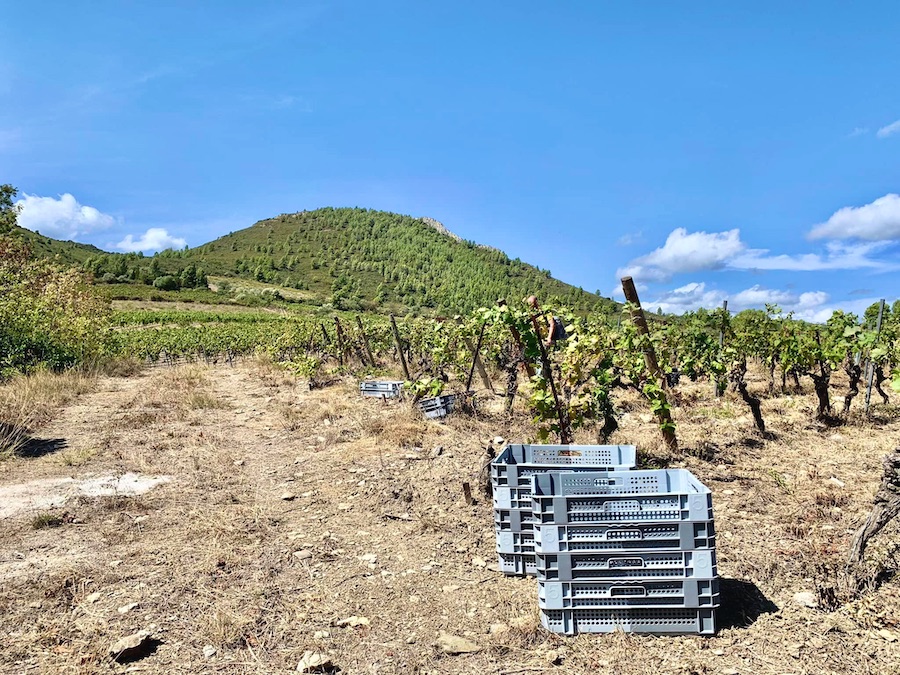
(565, 423)
(717, 381)
(365, 338)
(640, 322)
(475, 360)
(518, 339)
(399, 347)
(871, 366)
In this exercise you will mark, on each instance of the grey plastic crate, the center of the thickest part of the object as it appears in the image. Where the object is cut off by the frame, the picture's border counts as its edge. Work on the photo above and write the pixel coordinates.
(684, 594)
(656, 621)
(512, 498)
(626, 565)
(388, 389)
(681, 536)
(513, 520)
(515, 465)
(516, 542)
(563, 498)
(441, 406)
(516, 564)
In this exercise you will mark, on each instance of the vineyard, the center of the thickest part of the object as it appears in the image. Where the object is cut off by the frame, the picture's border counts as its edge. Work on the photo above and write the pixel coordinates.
(300, 518)
(601, 356)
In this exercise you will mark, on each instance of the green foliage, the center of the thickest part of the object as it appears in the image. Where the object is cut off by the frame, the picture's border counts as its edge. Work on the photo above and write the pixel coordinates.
(8, 211)
(166, 283)
(349, 257)
(48, 315)
(353, 259)
(425, 387)
(305, 365)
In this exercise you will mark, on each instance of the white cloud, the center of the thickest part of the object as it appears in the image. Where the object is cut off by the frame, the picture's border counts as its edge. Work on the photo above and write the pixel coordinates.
(62, 218)
(889, 130)
(858, 131)
(757, 296)
(838, 256)
(154, 239)
(821, 313)
(695, 295)
(686, 252)
(878, 221)
(687, 298)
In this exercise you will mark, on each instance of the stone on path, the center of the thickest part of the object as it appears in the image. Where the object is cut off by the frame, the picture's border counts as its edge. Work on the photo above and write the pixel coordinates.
(454, 644)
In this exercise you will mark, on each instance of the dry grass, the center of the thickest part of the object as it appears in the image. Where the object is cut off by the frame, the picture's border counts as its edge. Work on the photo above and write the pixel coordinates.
(77, 457)
(271, 373)
(375, 527)
(28, 402)
(179, 393)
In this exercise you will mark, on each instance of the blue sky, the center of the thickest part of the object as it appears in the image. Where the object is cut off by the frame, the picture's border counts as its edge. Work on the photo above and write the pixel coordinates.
(711, 150)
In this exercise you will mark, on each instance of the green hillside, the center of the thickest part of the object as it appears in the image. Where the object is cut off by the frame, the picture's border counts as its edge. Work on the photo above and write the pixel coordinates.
(68, 252)
(356, 257)
(359, 259)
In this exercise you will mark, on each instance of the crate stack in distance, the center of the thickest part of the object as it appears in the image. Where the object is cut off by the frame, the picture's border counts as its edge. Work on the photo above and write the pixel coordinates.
(511, 474)
(625, 550)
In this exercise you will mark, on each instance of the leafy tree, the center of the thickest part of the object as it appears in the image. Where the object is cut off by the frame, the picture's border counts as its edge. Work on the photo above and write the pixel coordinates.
(166, 283)
(8, 210)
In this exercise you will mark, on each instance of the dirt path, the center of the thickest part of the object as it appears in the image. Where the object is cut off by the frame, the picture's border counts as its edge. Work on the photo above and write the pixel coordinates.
(321, 522)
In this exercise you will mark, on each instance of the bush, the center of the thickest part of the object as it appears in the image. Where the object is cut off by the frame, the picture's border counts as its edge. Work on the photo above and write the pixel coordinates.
(48, 316)
(166, 283)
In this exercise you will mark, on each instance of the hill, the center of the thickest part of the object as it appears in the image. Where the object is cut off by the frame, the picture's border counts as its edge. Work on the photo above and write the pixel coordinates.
(358, 259)
(67, 252)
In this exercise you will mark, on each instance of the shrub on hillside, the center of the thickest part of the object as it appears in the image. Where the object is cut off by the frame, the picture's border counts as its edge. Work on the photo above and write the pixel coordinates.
(166, 283)
(48, 316)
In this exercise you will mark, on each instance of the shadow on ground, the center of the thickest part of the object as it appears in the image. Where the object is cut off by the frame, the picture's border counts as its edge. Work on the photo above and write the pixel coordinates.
(742, 604)
(38, 447)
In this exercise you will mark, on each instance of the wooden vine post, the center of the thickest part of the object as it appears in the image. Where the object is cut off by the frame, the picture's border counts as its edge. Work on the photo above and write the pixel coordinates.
(640, 322)
(870, 367)
(565, 424)
(517, 337)
(339, 330)
(479, 365)
(476, 361)
(717, 381)
(399, 347)
(365, 340)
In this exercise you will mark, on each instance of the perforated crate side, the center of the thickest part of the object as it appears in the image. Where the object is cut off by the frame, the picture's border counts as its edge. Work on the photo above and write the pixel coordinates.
(518, 462)
(387, 389)
(654, 621)
(513, 520)
(627, 565)
(513, 564)
(637, 482)
(680, 536)
(683, 594)
(515, 542)
(436, 412)
(441, 406)
(512, 498)
(622, 509)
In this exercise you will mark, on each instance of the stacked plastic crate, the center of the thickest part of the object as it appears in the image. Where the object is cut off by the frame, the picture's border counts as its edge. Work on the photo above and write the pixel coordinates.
(389, 389)
(511, 474)
(629, 550)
